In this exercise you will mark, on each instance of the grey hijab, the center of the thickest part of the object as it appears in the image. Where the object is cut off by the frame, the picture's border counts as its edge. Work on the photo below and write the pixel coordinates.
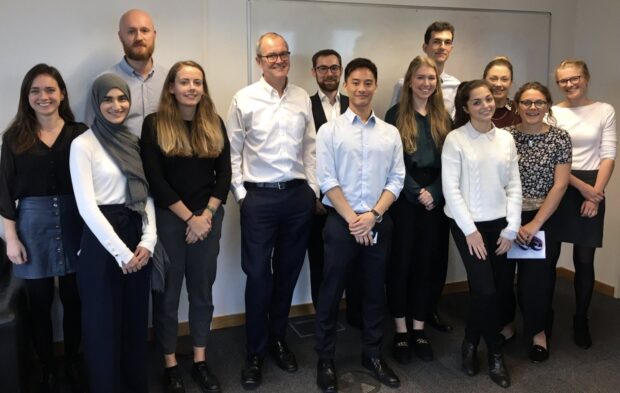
(120, 143)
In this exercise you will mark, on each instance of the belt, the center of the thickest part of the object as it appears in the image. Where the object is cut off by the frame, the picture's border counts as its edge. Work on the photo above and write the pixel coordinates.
(282, 185)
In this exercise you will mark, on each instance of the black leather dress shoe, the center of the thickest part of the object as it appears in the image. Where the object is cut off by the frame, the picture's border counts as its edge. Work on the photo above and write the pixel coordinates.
(538, 354)
(172, 382)
(437, 323)
(381, 371)
(251, 374)
(284, 358)
(497, 370)
(205, 378)
(326, 376)
(470, 358)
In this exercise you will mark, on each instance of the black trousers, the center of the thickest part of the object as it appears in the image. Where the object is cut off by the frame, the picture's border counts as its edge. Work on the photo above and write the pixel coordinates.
(411, 274)
(315, 259)
(197, 263)
(275, 225)
(40, 298)
(114, 310)
(343, 255)
(490, 280)
(534, 287)
(440, 259)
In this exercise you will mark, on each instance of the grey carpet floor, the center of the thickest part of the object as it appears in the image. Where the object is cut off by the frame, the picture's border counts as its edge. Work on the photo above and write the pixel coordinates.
(569, 369)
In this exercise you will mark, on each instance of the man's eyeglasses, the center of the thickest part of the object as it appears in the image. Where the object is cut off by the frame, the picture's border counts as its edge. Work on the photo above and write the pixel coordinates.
(273, 57)
(573, 80)
(323, 69)
(539, 104)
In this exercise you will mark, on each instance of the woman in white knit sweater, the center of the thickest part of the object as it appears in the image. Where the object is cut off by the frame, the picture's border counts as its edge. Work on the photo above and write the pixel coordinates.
(482, 189)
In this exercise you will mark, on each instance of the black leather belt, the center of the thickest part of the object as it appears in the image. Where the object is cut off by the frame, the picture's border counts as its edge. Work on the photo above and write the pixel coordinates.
(282, 185)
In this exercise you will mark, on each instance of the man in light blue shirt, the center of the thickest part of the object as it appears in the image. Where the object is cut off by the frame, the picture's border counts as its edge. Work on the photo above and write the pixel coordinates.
(361, 171)
(145, 78)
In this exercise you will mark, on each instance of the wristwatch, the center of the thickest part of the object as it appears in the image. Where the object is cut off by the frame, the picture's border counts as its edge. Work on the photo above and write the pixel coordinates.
(378, 217)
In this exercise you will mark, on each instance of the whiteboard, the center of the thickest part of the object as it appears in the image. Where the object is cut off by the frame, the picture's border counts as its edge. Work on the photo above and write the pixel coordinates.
(392, 35)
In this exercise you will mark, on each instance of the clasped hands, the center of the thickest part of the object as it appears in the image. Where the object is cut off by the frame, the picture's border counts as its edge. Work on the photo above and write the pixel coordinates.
(589, 207)
(361, 228)
(198, 227)
(140, 258)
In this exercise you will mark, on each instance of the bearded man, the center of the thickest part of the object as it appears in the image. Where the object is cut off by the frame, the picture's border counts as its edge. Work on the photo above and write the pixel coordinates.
(145, 78)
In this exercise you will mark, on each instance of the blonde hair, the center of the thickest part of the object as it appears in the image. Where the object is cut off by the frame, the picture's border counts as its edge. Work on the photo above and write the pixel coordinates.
(439, 118)
(577, 63)
(205, 139)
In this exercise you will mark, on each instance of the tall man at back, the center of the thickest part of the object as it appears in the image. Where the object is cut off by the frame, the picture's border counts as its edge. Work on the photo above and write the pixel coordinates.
(438, 44)
(137, 34)
(272, 149)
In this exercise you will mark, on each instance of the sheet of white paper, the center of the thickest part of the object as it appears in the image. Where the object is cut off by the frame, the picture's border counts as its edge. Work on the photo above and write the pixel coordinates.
(516, 252)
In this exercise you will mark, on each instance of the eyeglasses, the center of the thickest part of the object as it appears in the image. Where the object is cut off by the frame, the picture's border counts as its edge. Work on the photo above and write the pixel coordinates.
(273, 57)
(323, 69)
(539, 104)
(573, 80)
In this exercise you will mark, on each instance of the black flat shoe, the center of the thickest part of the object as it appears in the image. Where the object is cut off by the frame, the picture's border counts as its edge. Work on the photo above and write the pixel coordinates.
(76, 377)
(401, 349)
(326, 376)
(284, 358)
(251, 374)
(438, 323)
(503, 340)
(205, 378)
(469, 357)
(581, 332)
(172, 381)
(498, 371)
(381, 371)
(422, 347)
(538, 354)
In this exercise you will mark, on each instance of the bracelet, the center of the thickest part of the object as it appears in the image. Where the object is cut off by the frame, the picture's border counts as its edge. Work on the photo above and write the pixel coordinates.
(189, 218)
(211, 209)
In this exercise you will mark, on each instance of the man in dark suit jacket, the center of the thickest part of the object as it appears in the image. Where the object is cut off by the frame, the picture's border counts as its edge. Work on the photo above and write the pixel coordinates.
(327, 104)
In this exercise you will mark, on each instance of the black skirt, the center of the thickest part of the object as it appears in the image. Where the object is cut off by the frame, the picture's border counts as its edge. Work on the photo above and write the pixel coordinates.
(567, 225)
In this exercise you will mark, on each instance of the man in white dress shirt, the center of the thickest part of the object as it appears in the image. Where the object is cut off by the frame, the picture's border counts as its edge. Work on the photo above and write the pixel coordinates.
(272, 149)
(438, 44)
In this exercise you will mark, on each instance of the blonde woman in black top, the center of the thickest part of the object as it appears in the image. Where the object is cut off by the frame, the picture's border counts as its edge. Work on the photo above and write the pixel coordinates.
(187, 162)
(43, 232)
(420, 226)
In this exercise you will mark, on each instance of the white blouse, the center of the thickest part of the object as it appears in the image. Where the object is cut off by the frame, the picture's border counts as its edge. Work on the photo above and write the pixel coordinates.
(480, 179)
(592, 130)
(98, 181)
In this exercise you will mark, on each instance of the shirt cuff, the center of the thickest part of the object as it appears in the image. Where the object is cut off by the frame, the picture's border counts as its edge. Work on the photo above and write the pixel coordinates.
(240, 193)
(508, 234)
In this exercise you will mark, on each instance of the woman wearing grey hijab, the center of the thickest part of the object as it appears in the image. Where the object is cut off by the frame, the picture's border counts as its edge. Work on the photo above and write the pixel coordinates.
(118, 240)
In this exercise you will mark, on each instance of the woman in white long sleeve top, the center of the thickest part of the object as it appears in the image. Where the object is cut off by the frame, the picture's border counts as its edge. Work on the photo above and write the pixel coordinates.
(579, 218)
(482, 189)
(119, 238)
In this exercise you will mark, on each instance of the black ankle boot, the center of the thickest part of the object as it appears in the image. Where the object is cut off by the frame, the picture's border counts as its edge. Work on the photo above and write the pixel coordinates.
(581, 332)
(470, 358)
(497, 370)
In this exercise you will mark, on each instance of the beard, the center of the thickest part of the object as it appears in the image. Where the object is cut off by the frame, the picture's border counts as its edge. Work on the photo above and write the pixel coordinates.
(329, 85)
(138, 52)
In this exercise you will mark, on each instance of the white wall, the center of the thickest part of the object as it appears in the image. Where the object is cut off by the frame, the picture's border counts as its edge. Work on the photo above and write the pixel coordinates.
(596, 32)
(80, 39)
